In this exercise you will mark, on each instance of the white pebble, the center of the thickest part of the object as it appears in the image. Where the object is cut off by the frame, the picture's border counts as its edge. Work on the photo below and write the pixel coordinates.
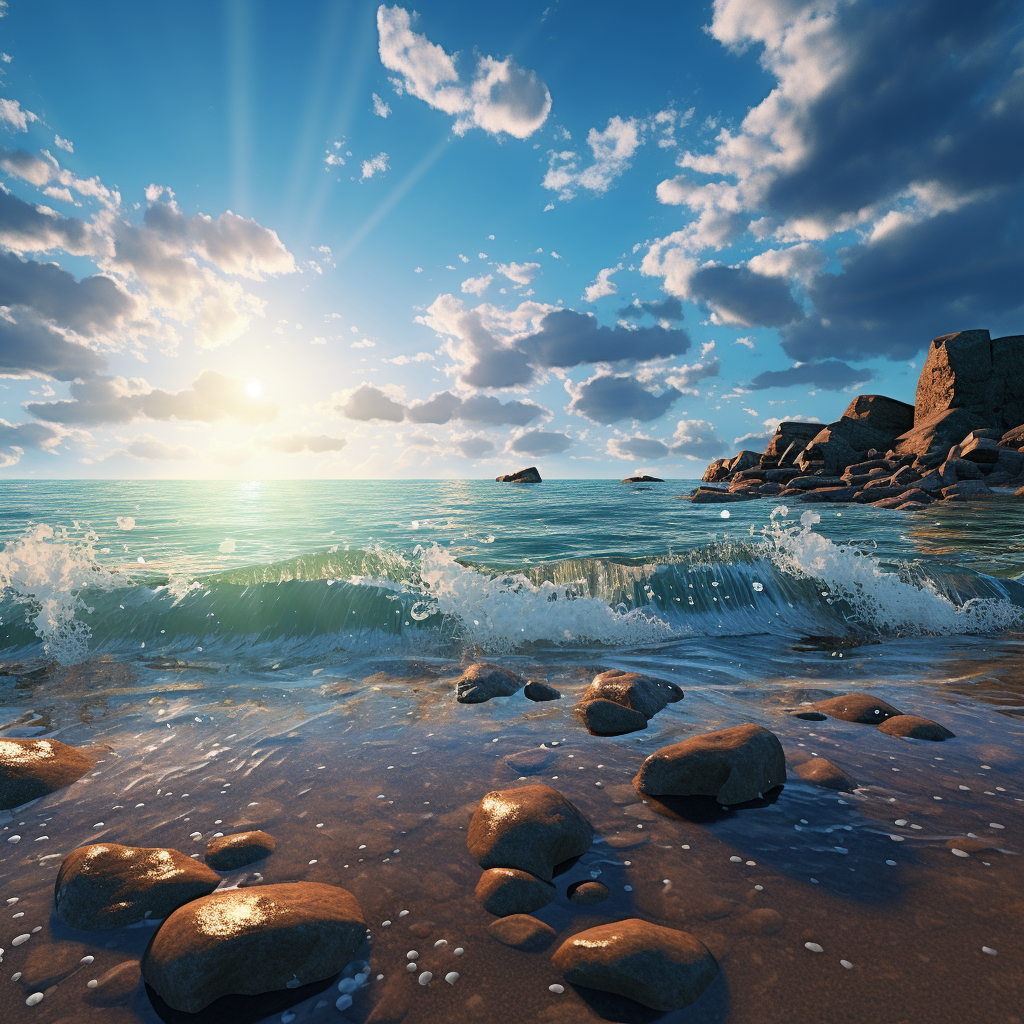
(12, 901)
(344, 1002)
(989, 950)
(759, 888)
(901, 821)
(557, 989)
(891, 863)
(16, 976)
(458, 951)
(813, 947)
(403, 913)
(385, 924)
(751, 863)
(425, 978)
(91, 984)
(87, 959)
(196, 835)
(993, 824)
(14, 839)
(451, 977)
(410, 967)
(440, 943)
(628, 888)
(736, 860)
(847, 964)
(19, 939)
(959, 853)
(34, 999)
(412, 955)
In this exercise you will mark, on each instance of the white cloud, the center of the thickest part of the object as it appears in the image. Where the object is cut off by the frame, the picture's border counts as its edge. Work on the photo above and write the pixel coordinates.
(375, 165)
(477, 285)
(66, 144)
(501, 97)
(12, 113)
(612, 150)
(800, 262)
(747, 342)
(602, 285)
(520, 273)
(380, 108)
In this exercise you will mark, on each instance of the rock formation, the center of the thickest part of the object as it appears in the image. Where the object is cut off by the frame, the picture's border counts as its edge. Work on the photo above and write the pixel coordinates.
(620, 702)
(521, 476)
(483, 681)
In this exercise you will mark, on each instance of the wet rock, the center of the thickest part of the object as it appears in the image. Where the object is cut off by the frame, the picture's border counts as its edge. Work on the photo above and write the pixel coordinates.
(912, 727)
(31, 768)
(719, 470)
(966, 489)
(585, 894)
(229, 853)
(830, 494)
(642, 480)
(627, 841)
(529, 762)
(733, 765)
(854, 707)
(745, 460)
(823, 772)
(763, 921)
(484, 681)
(532, 828)
(658, 967)
(521, 476)
(522, 932)
(252, 941)
(505, 891)
(116, 986)
(638, 693)
(106, 885)
(702, 496)
(536, 690)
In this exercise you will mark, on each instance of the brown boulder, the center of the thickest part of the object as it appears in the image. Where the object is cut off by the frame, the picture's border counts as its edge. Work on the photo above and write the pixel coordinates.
(703, 496)
(733, 765)
(823, 772)
(851, 707)
(718, 470)
(505, 891)
(658, 967)
(933, 435)
(912, 727)
(586, 894)
(972, 371)
(788, 433)
(537, 691)
(109, 886)
(228, 853)
(744, 460)
(522, 932)
(484, 681)
(885, 415)
(532, 828)
(606, 718)
(31, 768)
(251, 941)
(642, 694)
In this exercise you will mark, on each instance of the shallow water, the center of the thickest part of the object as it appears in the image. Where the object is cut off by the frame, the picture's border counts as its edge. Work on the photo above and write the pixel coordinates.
(285, 693)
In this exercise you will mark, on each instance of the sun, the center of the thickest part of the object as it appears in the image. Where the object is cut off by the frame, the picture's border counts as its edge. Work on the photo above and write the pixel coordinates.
(254, 389)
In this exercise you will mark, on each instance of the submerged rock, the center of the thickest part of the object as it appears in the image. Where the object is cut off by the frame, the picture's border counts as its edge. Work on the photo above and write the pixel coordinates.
(912, 727)
(644, 696)
(484, 681)
(521, 476)
(252, 941)
(658, 967)
(115, 986)
(529, 762)
(536, 690)
(228, 853)
(532, 828)
(505, 891)
(854, 707)
(733, 765)
(31, 768)
(822, 772)
(522, 932)
(106, 885)
(586, 894)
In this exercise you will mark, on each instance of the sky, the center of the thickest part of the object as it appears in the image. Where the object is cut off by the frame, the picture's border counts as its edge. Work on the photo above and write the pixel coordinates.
(342, 239)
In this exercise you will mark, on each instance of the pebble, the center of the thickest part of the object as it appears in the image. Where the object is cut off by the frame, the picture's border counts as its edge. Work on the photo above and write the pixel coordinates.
(410, 967)
(989, 950)
(557, 989)
(451, 977)
(19, 939)
(87, 959)
(425, 978)
(959, 853)
(736, 860)
(458, 951)
(993, 824)
(403, 913)
(344, 1002)
(91, 984)
(34, 999)
(348, 985)
(412, 955)
(385, 924)
(440, 943)
(813, 947)
(847, 964)
(891, 863)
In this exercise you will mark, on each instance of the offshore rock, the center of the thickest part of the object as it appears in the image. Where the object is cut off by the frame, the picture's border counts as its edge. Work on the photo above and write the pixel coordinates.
(505, 891)
(532, 828)
(733, 765)
(662, 968)
(109, 886)
(912, 727)
(642, 695)
(538, 691)
(31, 768)
(822, 772)
(228, 853)
(252, 941)
(483, 681)
(521, 476)
(523, 932)
(642, 480)
(853, 707)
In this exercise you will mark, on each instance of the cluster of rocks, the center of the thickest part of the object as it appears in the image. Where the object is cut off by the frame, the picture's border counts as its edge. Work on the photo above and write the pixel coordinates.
(620, 702)
(868, 710)
(484, 681)
(963, 437)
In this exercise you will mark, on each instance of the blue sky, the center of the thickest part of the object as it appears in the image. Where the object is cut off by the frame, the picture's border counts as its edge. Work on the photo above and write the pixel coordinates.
(350, 240)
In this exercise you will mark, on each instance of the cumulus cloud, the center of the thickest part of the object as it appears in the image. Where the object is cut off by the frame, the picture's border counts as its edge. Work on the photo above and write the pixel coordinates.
(11, 113)
(698, 439)
(874, 124)
(380, 108)
(609, 398)
(500, 97)
(519, 273)
(212, 396)
(539, 442)
(370, 403)
(25, 227)
(149, 448)
(477, 285)
(665, 309)
(21, 437)
(602, 285)
(295, 443)
(685, 377)
(476, 446)
(829, 375)
(638, 447)
(29, 348)
(611, 149)
(375, 165)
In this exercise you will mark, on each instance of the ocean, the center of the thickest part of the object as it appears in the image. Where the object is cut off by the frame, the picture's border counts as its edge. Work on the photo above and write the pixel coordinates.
(281, 655)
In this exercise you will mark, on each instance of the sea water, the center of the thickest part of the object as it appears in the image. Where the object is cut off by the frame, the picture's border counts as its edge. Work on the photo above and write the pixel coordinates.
(281, 655)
